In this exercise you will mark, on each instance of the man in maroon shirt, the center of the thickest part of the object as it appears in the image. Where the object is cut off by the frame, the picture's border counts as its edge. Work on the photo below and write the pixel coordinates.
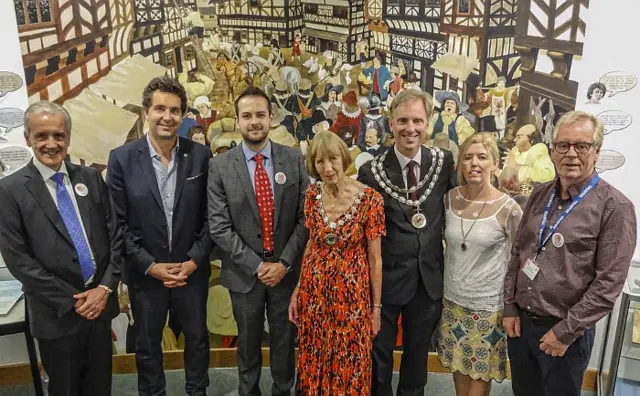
(568, 265)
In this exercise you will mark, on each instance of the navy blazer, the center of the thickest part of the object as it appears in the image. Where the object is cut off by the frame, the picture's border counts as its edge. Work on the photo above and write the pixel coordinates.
(140, 214)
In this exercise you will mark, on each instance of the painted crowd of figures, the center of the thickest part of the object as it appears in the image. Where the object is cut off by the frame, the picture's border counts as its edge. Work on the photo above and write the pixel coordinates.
(311, 93)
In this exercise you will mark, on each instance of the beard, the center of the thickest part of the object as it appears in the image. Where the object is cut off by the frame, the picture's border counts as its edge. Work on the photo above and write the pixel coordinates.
(256, 136)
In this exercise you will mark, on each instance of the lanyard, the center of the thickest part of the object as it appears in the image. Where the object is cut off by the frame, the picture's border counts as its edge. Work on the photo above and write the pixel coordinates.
(542, 242)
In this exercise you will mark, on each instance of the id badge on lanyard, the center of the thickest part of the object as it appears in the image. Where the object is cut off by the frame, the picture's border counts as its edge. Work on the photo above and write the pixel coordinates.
(530, 268)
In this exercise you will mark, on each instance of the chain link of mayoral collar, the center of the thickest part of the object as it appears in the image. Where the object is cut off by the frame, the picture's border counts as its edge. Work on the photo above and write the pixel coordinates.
(381, 177)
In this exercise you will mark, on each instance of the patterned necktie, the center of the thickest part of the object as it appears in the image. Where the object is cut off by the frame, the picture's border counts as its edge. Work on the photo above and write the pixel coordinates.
(264, 196)
(74, 227)
(411, 179)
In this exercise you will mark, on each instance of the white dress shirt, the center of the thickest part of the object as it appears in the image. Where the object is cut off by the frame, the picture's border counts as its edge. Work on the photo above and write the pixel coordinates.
(404, 164)
(47, 173)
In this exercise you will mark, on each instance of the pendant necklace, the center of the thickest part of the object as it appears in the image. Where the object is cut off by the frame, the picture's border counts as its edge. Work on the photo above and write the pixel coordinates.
(332, 204)
(331, 238)
(464, 245)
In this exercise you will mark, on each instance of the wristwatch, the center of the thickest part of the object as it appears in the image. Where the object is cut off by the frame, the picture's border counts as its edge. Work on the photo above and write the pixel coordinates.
(106, 288)
(286, 265)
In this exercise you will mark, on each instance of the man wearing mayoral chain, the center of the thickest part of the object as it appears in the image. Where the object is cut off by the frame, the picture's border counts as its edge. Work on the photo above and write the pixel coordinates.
(413, 181)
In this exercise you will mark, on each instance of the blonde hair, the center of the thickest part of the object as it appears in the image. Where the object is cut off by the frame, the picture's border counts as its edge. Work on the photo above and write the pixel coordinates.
(326, 144)
(573, 117)
(489, 143)
(410, 95)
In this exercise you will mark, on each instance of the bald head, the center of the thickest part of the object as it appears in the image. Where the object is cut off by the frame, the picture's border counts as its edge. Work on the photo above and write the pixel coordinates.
(524, 137)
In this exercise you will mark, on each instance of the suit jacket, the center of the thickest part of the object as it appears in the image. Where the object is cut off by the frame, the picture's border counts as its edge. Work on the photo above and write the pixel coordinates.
(140, 214)
(39, 252)
(408, 252)
(234, 220)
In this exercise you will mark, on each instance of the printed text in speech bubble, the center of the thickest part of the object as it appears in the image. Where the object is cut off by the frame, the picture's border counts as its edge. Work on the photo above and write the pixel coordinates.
(609, 160)
(618, 81)
(615, 120)
(10, 119)
(9, 82)
(15, 156)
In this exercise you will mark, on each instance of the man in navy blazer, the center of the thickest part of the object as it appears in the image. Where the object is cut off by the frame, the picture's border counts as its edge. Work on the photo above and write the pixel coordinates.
(158, 185)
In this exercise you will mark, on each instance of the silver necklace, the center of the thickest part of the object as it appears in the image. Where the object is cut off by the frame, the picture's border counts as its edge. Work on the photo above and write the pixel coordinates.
(464, 245)
(418, 220)
(378, 164)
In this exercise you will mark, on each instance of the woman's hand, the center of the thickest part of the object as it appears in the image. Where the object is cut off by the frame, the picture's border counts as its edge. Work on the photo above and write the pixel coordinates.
(293, 307)
(375, 321)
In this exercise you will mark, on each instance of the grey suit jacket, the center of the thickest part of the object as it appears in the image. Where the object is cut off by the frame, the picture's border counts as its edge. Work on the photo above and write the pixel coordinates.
(39, 252)
(234, 220)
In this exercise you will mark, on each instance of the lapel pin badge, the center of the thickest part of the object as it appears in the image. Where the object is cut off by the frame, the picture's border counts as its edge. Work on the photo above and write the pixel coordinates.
(81, 190)
(281, 178)
(557, 239)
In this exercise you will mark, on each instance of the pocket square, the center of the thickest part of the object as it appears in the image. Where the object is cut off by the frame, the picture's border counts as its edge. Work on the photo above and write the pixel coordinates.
(195, 177)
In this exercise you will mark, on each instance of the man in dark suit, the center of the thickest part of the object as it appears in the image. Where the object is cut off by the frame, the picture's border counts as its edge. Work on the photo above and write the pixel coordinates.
(58, 236)
(413, 181)
(158, 186)
(256, 201)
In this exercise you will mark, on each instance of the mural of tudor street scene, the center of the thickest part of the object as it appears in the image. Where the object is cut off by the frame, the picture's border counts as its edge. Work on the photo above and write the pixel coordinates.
(498, 66)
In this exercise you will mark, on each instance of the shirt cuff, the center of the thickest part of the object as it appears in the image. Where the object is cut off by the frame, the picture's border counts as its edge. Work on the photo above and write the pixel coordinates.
(148, 269)
(510, 311)
(561, 330)
(258, 269)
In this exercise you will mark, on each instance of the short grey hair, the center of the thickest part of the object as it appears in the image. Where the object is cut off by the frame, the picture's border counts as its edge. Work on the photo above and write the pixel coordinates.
(580, 116)
(46, 107)
(411, 95)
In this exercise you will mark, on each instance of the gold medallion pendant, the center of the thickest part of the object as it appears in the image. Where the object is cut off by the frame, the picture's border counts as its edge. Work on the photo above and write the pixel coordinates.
(331, 239)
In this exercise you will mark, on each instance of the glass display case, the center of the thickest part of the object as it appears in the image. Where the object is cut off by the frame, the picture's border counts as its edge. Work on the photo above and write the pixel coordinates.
(620, 366)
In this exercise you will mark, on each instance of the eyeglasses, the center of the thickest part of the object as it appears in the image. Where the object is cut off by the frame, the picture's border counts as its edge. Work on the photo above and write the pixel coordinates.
(581, 147)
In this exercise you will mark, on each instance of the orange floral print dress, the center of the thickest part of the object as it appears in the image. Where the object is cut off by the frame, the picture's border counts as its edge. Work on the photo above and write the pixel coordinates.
(334, 300)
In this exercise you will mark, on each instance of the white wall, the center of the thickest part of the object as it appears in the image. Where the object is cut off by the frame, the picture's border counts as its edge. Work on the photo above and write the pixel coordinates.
(609, 47)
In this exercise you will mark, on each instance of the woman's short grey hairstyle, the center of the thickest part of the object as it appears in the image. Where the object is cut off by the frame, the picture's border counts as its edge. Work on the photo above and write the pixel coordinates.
(46, 107)
(581, 116)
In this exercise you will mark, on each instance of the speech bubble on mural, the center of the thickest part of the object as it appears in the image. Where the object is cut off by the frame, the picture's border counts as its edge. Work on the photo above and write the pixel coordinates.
(609, 160)
(10, 119)
(13, 157)
(9, 82)
(619, 81)
(615, 120)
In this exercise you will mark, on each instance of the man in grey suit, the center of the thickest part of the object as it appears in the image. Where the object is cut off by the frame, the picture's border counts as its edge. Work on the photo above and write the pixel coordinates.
(60, 239)
(256, 201)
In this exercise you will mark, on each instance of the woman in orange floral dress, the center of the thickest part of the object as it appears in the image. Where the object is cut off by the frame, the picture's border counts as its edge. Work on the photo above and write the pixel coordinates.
(336, 305)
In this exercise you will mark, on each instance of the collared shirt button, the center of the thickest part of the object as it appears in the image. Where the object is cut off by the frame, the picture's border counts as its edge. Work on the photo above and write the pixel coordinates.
(543, 248)
(528, 308)
(559, 207)
(529, 288)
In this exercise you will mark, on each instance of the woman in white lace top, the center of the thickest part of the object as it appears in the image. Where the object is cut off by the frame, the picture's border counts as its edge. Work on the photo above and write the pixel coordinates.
(481, 223)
